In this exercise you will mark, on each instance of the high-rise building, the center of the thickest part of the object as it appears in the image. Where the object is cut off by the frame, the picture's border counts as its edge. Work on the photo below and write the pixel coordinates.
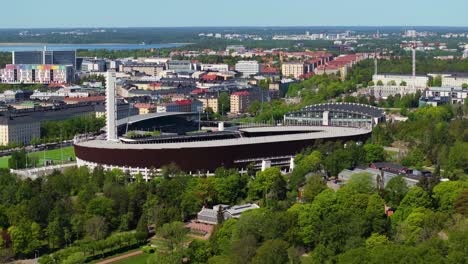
(58, 57)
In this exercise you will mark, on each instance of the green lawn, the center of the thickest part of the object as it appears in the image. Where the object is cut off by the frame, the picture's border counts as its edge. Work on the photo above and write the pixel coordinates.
(139, 259)
(55, 155)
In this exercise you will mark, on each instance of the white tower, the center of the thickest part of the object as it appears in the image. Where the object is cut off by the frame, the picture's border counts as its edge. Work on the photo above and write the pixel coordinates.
(111, 113)
(414, 65)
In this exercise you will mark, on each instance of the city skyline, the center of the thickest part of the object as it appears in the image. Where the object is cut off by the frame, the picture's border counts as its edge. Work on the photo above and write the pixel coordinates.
(243, 13)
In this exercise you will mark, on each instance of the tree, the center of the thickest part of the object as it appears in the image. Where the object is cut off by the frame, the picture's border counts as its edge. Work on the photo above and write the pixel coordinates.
(403, 83)
(101, 206)
(224, 102)
(199, 251)
(376, 240)
(446, 193)
(395, 191)
(461, 204)
(315, 185)
(374, 152)
(96, 227)
(269, 185)
(272, 251)
(173, 233)
(380, 83)
(19, 160)
(361, 182)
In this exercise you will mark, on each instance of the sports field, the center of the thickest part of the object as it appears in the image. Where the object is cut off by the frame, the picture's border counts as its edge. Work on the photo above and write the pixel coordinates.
(55, 155)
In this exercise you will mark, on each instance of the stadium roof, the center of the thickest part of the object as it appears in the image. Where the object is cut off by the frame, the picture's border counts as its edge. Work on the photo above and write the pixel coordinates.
(346, 107)
(139, 118)
(309, 133)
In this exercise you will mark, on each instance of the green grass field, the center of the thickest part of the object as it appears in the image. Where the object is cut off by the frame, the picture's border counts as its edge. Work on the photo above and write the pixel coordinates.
(55, 155)
(139, 259)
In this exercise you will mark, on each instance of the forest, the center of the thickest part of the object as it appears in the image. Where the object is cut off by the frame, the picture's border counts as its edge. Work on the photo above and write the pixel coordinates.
(79, 215)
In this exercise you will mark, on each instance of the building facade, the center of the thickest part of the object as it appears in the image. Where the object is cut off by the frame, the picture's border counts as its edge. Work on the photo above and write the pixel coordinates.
(293, 69)
(240, 101)
(337, 114)
(388, 79)
(35, 73)
(443, 95)
(248, 68)
(45, 57)
(215, 67)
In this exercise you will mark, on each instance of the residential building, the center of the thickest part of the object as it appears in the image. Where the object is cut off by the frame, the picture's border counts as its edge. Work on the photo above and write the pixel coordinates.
(34, 73)
(179, 65)
(240, 101)
(215, 67)
(248, 68)
(209, 101)
(152, 69)
(293, 69)
(22, 125)
(441, 95)
(93, 65)
(144, 108)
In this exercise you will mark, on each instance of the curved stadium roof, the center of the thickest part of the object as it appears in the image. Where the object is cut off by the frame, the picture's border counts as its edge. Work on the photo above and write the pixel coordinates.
(345, 107)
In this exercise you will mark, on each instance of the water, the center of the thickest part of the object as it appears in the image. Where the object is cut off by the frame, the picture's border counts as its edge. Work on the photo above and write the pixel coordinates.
(34, 47)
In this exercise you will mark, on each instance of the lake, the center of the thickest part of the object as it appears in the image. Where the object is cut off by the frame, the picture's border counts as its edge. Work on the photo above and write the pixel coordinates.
(5, 47)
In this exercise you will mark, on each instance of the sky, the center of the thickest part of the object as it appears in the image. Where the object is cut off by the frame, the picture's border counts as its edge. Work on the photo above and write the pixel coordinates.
(181, 13)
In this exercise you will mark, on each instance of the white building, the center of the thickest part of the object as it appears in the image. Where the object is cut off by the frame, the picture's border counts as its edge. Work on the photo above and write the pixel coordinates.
(419, 81)
(454, 95)
(248, 68)
(385, 91)
(215, 67)
(449, 80)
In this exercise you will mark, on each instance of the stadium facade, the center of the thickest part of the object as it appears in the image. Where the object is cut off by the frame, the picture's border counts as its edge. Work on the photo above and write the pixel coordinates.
(231, 147)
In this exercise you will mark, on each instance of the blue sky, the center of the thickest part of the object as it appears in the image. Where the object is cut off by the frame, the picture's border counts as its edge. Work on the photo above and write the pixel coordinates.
(168, 13)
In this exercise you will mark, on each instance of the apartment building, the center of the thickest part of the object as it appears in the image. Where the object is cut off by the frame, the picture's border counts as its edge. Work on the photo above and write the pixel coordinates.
(240, 101)
(35, 73)
(209, 101)
(152, 69)
(293, 69)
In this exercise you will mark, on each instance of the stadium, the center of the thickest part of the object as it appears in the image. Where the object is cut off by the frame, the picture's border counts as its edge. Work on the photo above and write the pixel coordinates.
(237, 146)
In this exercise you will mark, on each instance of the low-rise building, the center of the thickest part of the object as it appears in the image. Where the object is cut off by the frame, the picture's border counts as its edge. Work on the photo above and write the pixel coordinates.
(419, 81)
(222, 212)
(152, 69)
(442, 95)
(215, 67)
(145, 108)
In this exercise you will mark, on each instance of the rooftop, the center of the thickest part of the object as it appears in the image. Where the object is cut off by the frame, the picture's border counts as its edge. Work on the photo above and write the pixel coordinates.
(346, 107)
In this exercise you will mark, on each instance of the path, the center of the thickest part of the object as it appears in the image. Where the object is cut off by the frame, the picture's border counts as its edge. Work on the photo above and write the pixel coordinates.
(112, 260)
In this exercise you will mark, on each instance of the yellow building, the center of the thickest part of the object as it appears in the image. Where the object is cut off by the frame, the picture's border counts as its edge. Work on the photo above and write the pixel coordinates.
(11, 132)
(210, 102)
(145, 108)
(294, 69)
(240, 101)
